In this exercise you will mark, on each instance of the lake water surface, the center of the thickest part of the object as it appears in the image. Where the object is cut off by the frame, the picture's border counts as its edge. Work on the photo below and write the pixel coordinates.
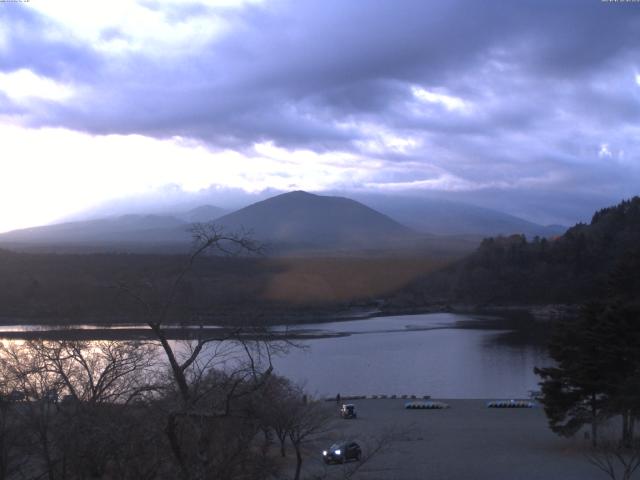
(442, 355)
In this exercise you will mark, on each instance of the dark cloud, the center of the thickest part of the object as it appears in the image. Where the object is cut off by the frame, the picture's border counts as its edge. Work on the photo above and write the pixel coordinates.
(44, 47)
(287, 71)
(546, 84)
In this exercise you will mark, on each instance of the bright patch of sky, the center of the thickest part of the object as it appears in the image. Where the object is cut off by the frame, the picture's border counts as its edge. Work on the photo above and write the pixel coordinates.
(21, 85)
(604, 151)
(103, 100)
(49, 173)
(380, 140)
(130, 25)
(449, 102)
(441, 182)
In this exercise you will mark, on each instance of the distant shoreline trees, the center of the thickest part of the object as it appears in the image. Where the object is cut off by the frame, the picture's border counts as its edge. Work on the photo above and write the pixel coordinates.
(513, 270)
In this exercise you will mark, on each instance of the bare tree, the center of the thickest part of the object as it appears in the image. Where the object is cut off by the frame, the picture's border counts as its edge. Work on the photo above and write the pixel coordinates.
(207, 426)
(617, 460)
(307, 420)
(98, 371)
(157, 305)
(12, 459)
(96, 409)
(26, 372)
(275, 404)
(74, 394)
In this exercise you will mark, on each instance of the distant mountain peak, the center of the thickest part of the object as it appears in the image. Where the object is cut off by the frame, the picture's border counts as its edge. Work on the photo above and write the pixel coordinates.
(305, 219)
(202, 214)
(299, 193)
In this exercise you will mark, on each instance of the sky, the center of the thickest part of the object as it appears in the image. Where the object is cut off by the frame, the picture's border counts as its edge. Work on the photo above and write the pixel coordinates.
(530, 107)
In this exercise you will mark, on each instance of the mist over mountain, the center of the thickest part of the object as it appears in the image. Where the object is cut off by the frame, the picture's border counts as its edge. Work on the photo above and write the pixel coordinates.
(294, 221)
(174, 201)
(202, 214)
(445, 217)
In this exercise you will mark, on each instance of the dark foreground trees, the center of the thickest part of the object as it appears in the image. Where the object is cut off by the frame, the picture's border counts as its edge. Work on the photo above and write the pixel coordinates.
(574, 392)
(72, 406)
(597, 375)
(596, 379)
(209, 426)
(147, 410)
(56, 424)
(616, 460)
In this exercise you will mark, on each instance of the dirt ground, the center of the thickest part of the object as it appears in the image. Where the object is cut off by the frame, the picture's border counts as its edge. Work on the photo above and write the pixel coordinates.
(466, 441)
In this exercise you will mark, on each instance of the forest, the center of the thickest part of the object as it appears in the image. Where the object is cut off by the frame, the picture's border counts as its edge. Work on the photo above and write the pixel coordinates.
(570, 269)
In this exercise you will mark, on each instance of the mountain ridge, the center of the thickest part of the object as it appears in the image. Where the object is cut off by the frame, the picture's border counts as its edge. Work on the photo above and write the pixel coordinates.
(446, 217)
(576, 267)
(293, 221)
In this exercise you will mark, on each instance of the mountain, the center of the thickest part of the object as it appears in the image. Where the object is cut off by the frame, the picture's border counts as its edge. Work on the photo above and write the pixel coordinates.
(444, 217)
(584, 264)
(201, 214)
(301, 219)
(291, 221)
(295, 221)
(124, 230)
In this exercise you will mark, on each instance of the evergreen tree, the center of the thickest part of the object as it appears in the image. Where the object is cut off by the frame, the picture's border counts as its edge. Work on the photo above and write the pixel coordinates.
(619, 331)
(575, 390)
(597, 375)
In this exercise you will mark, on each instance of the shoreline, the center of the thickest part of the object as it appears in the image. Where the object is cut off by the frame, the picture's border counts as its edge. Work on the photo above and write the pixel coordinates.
(516, 316)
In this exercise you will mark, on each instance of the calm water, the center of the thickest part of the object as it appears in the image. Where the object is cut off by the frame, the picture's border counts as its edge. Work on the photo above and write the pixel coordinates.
(442, 355)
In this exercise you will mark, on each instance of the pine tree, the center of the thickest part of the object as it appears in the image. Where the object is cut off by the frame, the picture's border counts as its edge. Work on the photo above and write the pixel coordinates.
(575, 391)
(597, 375)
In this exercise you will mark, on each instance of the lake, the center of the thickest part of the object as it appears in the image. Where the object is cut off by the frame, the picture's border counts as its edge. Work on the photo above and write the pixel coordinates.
(439, 354)
(443, 355)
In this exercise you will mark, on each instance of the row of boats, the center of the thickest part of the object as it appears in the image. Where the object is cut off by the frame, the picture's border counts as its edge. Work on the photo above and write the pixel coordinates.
(492, 404)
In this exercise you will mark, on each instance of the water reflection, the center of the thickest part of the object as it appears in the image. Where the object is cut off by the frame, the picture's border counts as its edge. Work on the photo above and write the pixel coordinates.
(97, 327)
(442, 355)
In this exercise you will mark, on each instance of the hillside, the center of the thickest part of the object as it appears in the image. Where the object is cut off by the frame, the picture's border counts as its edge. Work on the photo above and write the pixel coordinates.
(126, 228)
(131, 233)
(201, 214)
(444, 217)
(573, 268)
(294, 222)
(300, 219)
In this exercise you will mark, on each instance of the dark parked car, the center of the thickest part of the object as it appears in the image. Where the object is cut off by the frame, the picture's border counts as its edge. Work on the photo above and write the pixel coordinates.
(348, 410)
(342, 452)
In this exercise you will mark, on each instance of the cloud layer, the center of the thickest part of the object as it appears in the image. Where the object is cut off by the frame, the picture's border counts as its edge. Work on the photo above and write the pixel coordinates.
(507, 103)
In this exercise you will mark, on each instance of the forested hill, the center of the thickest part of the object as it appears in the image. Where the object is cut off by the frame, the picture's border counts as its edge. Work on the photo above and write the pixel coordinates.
(588, 261)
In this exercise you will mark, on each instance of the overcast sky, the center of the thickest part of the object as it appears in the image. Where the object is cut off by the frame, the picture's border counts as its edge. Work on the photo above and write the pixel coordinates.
(528, 106)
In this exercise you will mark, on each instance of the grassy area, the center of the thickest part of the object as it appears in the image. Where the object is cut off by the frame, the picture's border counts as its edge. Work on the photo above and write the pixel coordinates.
(66, 288)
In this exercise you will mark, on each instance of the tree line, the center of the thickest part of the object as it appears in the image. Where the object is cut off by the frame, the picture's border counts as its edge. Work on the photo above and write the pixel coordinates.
(595, 381)
(572, 268)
